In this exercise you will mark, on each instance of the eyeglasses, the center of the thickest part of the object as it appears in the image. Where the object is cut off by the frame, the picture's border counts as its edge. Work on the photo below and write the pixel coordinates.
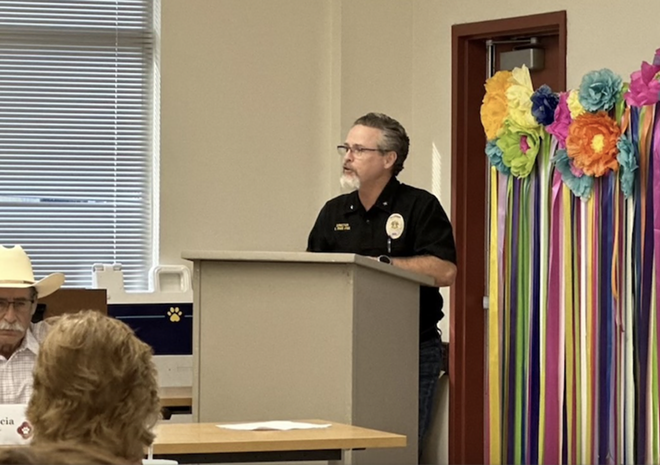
(20, 305)
(357, 151)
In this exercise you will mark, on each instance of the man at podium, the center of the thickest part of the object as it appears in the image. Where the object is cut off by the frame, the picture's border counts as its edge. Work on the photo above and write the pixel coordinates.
(393, 223)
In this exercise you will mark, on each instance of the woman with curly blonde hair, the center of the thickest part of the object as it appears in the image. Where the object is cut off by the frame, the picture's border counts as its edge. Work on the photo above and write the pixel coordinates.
(95, 384)
(61, 453)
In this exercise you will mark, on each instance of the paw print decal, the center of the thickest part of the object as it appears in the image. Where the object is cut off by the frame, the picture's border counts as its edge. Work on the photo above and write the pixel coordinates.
(175, 314)
(25, 430)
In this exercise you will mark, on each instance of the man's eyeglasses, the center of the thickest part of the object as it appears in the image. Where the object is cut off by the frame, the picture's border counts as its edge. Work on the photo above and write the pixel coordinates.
(357, 151)
(20, 305)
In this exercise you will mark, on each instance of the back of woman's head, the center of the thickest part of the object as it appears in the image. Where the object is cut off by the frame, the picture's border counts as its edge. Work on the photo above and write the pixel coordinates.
(64, 453)
(95, 383)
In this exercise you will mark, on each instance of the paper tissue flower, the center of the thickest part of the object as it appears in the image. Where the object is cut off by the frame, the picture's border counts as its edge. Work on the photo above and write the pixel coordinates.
(574, 105)
(519, 149)
(544, 102)
(494, 107)
(498, 83)
(591, 143)
(494, 154)
(644, 86)
(599, 90)
(562, 120)
(519, 97)
(579, 183)
(628, 165)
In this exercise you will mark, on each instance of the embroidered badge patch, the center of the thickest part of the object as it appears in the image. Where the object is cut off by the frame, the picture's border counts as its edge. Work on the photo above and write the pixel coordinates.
(394, 226)
(342, 227)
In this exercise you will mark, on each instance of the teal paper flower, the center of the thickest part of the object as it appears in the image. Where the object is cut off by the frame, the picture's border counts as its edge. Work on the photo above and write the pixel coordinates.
(580, 185)
(627, 165)
(599, 90)
(495, 157)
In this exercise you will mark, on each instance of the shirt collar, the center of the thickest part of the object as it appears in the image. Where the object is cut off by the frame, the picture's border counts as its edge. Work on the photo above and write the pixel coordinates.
(386, 198)
(384, 201)
(29, 342)
(353, 204)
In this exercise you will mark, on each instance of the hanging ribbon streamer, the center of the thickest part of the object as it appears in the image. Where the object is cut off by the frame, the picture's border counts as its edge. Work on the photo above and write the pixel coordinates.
(550, 393)
(494, 436)
(655, 392)
(510, 325)
(574, 320)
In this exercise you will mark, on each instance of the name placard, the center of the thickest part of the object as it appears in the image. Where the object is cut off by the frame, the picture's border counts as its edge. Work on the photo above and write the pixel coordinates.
(14, 427)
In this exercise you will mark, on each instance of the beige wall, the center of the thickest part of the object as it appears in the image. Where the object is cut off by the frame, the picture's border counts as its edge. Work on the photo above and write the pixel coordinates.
(255, 93)
(376, 60)
(254, 96)
(245, 123)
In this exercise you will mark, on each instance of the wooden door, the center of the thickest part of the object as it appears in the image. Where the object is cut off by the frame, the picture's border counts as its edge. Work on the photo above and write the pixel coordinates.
(469, 210)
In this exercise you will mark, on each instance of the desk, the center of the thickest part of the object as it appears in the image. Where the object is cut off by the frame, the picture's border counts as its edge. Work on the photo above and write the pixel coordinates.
(175, 396)
(206, 443)
(175, 400)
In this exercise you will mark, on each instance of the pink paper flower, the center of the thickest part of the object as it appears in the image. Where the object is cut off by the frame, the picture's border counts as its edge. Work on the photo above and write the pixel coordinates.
(559, 128)
(524, 146)
(644, 85)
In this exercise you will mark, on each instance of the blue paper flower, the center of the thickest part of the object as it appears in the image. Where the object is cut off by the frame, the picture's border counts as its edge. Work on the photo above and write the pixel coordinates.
(599, 90)
(627, 164)
(579, 185)
(495, 157)
(544, 102)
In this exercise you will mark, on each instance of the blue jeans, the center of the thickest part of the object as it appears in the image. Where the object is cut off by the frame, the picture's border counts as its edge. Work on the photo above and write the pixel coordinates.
(429, 372)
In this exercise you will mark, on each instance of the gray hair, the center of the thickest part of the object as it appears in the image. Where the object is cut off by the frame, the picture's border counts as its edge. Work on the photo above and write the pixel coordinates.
(394, 136)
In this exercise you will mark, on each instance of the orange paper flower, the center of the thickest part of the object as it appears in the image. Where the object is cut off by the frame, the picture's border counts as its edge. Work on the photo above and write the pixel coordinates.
(591, 143)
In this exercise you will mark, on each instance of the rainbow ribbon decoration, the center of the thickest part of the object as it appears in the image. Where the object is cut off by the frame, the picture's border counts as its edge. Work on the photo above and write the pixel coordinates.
(573, 353)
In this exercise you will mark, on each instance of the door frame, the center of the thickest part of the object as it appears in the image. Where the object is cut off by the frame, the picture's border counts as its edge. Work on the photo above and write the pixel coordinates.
(469, 212)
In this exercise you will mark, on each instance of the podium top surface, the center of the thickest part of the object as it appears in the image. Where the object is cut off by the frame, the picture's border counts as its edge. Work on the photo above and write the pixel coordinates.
(305, 257)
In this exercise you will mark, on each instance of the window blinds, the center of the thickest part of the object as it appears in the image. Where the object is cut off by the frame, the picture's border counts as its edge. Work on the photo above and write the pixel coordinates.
(76, 143)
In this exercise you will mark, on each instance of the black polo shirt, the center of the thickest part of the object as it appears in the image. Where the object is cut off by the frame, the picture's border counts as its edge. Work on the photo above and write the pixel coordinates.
(344, 226)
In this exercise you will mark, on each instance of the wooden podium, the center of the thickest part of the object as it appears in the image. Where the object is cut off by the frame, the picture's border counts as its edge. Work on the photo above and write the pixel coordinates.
(294, 335)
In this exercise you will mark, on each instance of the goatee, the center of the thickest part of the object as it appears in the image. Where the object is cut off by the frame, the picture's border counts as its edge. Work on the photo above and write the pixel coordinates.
(349, 183)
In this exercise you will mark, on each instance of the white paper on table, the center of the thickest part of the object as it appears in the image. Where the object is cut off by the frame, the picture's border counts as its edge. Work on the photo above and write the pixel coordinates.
(273, 426)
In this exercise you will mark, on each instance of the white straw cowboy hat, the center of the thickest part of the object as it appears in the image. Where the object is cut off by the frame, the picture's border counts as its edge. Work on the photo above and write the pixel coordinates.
(16, 272)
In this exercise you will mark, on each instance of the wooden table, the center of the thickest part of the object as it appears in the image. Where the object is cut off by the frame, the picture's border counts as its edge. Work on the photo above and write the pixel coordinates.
(207, 443)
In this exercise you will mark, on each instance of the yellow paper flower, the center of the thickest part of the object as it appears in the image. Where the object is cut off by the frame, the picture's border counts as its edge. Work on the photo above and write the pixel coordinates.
(499, 83)
(494, 107)
(493, 112)
(519, 96)
(574, 105)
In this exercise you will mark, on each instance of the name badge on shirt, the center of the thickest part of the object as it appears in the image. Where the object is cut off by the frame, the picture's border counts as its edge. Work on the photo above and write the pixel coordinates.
(342, 227)
(14, 427)
(394, 226)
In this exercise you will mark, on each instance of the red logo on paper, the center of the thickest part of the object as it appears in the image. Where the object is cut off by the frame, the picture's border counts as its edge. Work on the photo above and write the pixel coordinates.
(25, 430)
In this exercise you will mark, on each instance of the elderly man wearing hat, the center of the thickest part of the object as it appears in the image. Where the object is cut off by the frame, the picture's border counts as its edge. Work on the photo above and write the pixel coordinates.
(19, 338)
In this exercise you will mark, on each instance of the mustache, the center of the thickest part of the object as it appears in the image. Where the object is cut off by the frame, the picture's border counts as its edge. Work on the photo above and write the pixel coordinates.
(15, 326)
